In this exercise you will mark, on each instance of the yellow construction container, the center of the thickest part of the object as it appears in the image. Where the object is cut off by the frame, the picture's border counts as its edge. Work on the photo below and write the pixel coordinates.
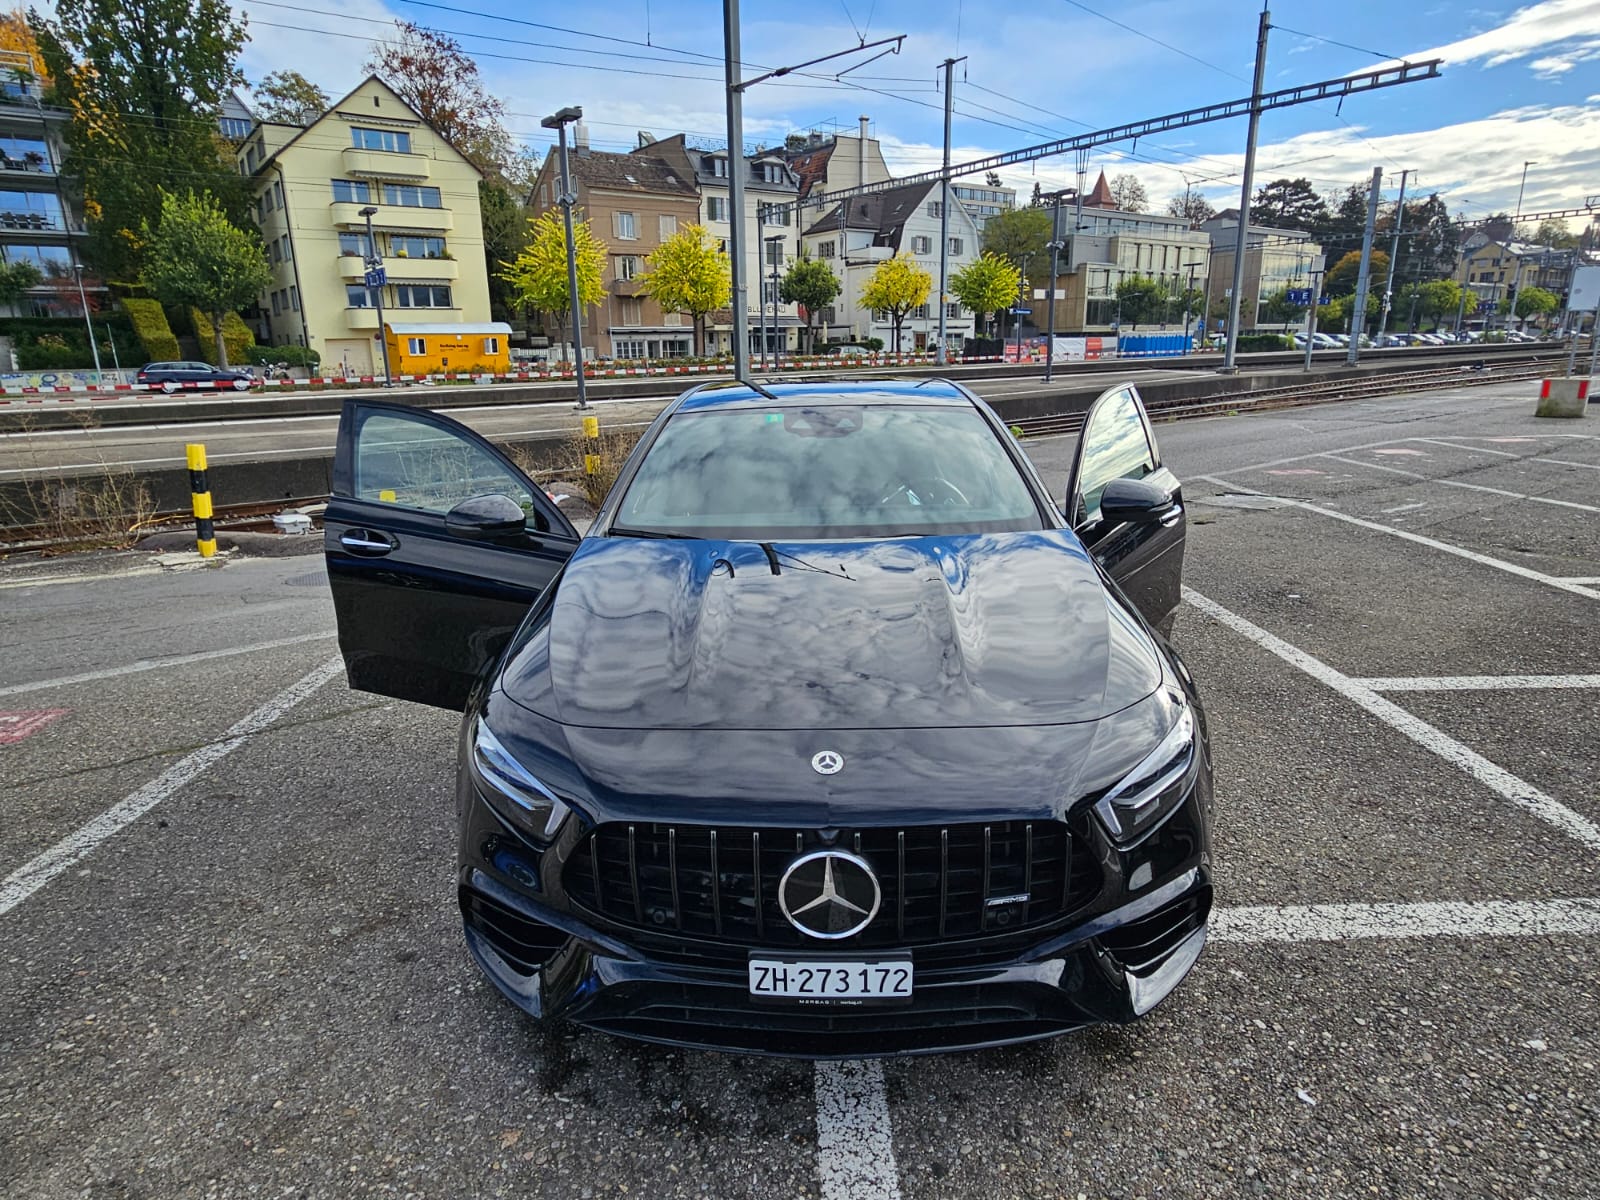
(449, 349)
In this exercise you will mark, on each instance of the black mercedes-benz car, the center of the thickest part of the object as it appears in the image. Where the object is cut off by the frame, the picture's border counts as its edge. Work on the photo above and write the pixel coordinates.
(834, 736)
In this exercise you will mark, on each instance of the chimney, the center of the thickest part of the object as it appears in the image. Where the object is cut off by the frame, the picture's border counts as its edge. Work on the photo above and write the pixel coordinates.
(861, 153)
(580, 137)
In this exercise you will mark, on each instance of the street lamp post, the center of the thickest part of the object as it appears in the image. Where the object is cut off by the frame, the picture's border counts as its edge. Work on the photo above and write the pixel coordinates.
(1055, 247)
(1187, 293)
(375, 264)
(559, 122)
(77, 270)
(1022, 291)
(1521, 187)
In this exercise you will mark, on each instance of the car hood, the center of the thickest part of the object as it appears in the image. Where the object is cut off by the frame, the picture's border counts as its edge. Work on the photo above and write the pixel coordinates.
(985, 629)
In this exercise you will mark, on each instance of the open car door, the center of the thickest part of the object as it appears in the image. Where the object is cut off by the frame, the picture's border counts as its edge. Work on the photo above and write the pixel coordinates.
(436, 547)
(1126, 507)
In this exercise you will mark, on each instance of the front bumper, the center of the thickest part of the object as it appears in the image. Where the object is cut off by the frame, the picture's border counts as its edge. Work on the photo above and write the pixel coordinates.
(1120, 956)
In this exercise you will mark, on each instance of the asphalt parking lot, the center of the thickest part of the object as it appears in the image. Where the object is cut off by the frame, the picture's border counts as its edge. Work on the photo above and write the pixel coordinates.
(231, 963)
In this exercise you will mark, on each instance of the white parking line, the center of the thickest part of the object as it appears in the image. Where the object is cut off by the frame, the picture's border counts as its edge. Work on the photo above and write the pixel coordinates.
(1456, 483)
(1466, 449)
(156, 664)
(1477, 683)
(1405, 534)
(31, 876)
(1346, 922)
(1518, 792)
(855, 1147)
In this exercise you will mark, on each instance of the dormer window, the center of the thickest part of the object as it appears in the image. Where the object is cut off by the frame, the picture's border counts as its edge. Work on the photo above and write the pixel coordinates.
(719, 167)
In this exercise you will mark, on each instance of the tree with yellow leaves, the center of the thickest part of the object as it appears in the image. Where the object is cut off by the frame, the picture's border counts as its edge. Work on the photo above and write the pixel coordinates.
(896, 287)
(17, 43)
(687, 274)
(537, 277)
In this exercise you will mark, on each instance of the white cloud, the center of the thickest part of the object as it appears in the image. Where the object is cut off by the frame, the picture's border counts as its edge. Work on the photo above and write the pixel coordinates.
(1553, 66)
(1527, 31)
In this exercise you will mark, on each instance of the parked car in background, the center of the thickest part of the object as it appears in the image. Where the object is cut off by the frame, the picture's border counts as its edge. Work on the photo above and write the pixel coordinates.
(173, 376)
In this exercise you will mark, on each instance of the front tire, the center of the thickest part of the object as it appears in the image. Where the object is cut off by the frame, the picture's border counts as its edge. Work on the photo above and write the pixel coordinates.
(169, 387)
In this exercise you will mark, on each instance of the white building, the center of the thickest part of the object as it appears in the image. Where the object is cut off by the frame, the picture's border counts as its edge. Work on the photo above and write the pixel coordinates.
(853, 238)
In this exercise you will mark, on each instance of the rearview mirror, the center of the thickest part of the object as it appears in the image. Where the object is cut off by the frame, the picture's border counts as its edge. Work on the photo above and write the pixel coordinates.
(486, 517)
(1135, 500)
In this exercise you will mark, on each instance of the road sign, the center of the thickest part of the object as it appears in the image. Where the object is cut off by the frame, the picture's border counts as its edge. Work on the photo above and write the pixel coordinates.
(1022, 312)
(1301, 297)
(1585, 293)
(377, 277)
(1325, 299)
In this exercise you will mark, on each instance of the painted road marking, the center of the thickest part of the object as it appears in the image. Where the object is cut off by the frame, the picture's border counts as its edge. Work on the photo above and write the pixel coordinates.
(1493, 776)
(1406, 535)
(31, 876)
(1348, 922)
(1456, 483)
(19, 725)
(1466, 449)
(1408, 507)
(855, 1144)
(156, 664)
(1417, 453)
(1477, 683)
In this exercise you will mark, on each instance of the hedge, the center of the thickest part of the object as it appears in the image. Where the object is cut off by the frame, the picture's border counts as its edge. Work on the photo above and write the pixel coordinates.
(150, 324)
(295, 356)
(1264, 341)
(62, 343)
(235, 333)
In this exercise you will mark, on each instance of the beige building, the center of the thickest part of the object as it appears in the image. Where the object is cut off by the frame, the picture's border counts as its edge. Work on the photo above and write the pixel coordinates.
(1274, 260)
(633, 203)
(310, 184)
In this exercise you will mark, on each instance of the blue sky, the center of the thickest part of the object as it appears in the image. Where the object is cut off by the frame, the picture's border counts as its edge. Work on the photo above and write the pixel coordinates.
(1520, 82)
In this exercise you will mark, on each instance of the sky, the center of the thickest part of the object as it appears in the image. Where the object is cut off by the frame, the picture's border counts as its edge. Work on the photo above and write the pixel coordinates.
(1519, 83)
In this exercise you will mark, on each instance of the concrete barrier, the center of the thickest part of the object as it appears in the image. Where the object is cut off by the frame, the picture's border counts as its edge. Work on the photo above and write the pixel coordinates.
(1563, 398)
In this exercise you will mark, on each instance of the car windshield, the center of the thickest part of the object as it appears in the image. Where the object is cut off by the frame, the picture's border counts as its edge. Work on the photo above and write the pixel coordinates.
(830, 471)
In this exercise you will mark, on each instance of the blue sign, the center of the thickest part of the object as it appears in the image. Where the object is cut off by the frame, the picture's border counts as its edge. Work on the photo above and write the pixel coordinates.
(377, 277)
(1022, 312)
(1326, 299)
(1300, 297)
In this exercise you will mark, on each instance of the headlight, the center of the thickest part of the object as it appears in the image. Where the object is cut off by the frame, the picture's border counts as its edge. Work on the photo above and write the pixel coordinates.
(1144, 796)
(512, 790)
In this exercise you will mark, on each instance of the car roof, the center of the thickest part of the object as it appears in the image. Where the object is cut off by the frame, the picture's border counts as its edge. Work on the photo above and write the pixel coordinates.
(934, 392)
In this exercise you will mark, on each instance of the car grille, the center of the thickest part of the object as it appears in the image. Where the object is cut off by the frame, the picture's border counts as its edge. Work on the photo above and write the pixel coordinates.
(940, 883)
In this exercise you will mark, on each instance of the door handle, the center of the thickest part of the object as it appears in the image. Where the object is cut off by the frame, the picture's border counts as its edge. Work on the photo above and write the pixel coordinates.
(366, 542)
(1173, 517)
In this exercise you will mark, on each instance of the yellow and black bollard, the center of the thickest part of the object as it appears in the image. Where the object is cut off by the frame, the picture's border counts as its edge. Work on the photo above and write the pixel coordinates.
(204, 531)
(591, 456)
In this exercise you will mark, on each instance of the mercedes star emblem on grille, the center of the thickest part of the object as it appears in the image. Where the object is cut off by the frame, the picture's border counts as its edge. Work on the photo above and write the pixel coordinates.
(827, 762)
(829, 894)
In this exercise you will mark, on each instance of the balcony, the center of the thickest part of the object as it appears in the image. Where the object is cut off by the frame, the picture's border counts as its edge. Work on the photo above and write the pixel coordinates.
(392, 218)
(361, 318)
(353, 268)
(384, 164)
(367, 318)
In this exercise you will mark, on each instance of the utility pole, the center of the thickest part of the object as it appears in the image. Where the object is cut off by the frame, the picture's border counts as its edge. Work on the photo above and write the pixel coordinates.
(1055, 248)
(567, 199)
(1242, 241)
(1311, 315)
(1394, 257)
(1358, 314)
(1520, 188)
(733, 55)
(761, 291)
(83, 299)
(944, 206)
(375, 265)
(1187, 292)
(1022, 290)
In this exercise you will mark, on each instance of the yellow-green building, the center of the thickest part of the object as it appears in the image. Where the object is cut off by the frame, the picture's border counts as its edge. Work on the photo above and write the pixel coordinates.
(310, 184)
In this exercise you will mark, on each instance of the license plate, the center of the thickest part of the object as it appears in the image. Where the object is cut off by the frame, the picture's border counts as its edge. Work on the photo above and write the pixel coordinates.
(831, 981)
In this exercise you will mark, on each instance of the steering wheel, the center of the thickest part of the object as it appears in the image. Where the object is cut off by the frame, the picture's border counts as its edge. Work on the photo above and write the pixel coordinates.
(941, 492)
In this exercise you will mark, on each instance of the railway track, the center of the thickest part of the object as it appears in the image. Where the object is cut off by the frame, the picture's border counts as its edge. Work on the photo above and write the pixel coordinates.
(1324, 392)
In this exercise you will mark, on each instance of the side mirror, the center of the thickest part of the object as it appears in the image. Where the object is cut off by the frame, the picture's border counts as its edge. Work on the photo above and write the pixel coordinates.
(486, 517)
(1136, 500)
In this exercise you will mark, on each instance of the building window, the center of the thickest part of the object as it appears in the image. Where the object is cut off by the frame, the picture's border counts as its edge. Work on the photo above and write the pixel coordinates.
(235, 129)
(719, 167)
(353, 243)
(627, 266)
(716, 208)
(405, 246)
(624, 226)
(629, 348)
(920, 313)
(673, 319)
(277, 305)
(405, 195)
(273, 252)
(277, 193)
(352, 191)
(294, 299)
(632, 312)
(54, 262)
(775, 254)
(955, 245)
(935, 209)
(667, 226)
(774, 173)
(416, 346)
(288, 248)
(769, 293)
(952, 310)
(825, 249)
(356, 296)
(921, 245)
(491, 345)
(421, 295)
(774, 214)
(394, 141)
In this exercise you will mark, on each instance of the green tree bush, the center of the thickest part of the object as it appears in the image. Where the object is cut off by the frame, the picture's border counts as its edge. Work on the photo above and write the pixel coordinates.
(196, 257)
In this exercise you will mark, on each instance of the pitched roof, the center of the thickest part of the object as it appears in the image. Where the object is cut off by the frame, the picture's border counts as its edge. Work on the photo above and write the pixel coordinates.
(811, 165)
(1100, 195)
(885, 213)
(633, 172)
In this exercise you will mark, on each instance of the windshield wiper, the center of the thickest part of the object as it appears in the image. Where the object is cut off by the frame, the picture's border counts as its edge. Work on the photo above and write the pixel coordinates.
(622, 531)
